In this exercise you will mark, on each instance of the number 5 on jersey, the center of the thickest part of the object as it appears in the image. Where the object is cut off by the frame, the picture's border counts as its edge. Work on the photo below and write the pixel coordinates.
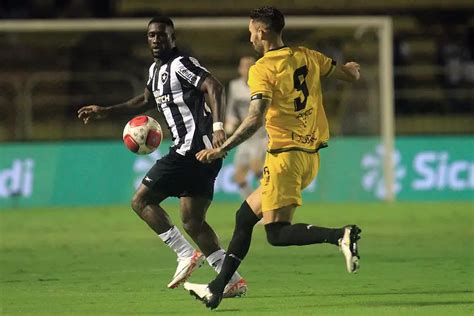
(299, 77)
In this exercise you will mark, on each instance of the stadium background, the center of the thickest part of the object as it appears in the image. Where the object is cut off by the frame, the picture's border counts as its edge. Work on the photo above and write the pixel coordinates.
(59, 179)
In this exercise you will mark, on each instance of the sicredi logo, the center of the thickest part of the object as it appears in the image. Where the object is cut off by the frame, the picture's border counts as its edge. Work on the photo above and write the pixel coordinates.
(431, 171)
(17, 180)
(436, 171)
(373, 179)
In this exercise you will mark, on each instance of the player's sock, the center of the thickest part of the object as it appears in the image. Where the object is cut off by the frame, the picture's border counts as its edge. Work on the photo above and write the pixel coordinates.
(176, 241)
(244, 190)
(245, 220)
(285, 234)
(216, 260)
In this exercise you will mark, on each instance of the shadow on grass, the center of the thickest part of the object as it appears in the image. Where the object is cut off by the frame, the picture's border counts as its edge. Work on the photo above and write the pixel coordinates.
(367, 294)
(418, 304)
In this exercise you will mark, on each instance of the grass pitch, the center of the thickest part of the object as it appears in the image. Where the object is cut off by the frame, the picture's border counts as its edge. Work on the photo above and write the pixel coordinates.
(417, 259)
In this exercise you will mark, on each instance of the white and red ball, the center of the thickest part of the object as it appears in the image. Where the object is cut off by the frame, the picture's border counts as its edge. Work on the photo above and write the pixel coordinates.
(142, 135)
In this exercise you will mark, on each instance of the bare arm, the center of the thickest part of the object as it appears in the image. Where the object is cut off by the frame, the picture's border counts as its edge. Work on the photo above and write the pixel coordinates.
(215, 92)
(249, 126)
(349, 72)
(136, 105)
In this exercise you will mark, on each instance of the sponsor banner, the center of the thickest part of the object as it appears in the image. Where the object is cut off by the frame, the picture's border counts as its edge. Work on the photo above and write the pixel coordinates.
(94, 173)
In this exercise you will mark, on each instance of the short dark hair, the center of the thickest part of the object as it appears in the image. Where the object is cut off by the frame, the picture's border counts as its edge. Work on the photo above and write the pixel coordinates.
(271, 16)
(162, 19)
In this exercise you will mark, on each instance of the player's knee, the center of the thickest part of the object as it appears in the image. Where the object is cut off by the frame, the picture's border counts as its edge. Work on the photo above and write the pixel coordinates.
(192, 227)
(274, 233)
(138, 204)
(135, 204)
(245, 218)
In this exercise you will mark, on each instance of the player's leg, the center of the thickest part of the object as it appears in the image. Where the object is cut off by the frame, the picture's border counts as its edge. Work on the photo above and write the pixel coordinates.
(240, 177)
(241, 169)
(146, 203)
(280, 231)
(193, 214)
(257, 161)
(158, 184)
(281, 196)
(246, 217)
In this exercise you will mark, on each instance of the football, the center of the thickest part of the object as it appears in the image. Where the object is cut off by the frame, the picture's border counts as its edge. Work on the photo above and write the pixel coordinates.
(142, 135)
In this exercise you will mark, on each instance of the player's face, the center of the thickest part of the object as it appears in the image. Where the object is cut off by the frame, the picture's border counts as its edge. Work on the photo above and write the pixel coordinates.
(256, 32)
(160, 40)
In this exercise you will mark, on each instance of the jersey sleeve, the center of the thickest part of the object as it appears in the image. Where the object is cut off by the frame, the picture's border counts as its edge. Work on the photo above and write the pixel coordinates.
(259, 82)
(190, 70)
(151, 74)
(326, 64)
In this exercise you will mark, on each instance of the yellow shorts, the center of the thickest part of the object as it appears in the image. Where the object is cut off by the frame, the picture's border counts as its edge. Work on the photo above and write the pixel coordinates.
(285, 175)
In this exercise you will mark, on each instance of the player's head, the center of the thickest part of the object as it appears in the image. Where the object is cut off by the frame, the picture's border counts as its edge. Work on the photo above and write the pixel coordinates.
(244, 65)
(266, 24)
(161, 38)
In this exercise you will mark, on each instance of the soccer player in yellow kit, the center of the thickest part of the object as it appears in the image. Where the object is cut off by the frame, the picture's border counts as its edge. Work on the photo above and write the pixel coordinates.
(285, 93)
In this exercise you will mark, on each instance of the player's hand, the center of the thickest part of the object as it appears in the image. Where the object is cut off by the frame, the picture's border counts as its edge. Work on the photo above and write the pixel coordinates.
(218, 138)
(208, 155)
(353, 68)
(91, 112)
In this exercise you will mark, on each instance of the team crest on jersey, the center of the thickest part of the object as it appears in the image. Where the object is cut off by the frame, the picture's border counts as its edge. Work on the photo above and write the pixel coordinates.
(164, 77)
(265, 176)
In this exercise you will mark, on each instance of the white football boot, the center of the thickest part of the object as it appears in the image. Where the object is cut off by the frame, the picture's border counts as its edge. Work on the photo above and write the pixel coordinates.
(186, 266)
(348, 246)
(235, 289)
(202, 293)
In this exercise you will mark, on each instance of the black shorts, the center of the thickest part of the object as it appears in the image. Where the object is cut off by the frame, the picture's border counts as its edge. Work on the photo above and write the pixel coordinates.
(179, 176)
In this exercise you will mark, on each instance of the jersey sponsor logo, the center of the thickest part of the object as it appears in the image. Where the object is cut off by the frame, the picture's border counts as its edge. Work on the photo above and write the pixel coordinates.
(187, 74)
(163, 98)
(308, 139)
(303, 116)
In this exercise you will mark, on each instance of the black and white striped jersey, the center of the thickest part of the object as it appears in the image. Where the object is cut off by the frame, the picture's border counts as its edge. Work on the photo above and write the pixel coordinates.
(175, 86)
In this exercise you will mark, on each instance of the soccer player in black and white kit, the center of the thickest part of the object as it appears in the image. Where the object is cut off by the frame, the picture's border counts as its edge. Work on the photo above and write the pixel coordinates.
(176, 86)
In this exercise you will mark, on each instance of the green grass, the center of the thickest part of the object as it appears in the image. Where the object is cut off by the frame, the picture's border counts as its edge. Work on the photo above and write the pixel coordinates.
(416, 259)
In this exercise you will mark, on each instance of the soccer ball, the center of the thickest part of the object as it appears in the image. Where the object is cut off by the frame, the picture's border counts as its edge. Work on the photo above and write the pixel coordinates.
(142, 135)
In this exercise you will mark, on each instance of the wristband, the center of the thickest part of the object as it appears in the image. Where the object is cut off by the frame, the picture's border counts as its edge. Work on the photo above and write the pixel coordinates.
(217, 126)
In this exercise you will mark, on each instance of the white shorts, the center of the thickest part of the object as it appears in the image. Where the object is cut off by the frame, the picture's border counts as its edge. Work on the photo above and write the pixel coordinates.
(253, 149)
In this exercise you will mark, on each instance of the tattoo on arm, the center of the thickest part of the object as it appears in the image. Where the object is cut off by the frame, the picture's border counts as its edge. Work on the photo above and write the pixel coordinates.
(250, 125)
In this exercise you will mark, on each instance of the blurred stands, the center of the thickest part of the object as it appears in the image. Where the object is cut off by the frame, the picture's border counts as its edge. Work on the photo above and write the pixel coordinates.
(57, 73)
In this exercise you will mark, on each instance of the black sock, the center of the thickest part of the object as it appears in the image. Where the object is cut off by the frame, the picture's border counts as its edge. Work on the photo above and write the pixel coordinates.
(245, 220)
(284, 234)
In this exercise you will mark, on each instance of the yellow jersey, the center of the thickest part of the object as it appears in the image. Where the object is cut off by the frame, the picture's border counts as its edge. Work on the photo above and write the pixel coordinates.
(290, 78)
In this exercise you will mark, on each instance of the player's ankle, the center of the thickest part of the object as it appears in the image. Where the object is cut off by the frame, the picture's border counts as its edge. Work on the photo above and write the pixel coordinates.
(217, 286)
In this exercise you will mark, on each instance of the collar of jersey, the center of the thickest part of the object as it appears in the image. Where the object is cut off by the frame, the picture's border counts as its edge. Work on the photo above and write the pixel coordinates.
(174, 53)
(278, 49)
